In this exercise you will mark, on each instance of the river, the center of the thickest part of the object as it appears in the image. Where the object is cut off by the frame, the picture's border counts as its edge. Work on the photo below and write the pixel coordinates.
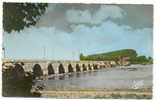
(128, 77)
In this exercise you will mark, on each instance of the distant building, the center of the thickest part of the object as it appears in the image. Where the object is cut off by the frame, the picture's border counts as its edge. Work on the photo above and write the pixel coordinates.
(124, 60)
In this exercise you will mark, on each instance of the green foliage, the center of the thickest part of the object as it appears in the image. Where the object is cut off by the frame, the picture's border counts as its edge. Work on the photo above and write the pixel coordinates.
(117, 55)
(150, 60)
(116, 96)
(100, 97)
(18, 15)
(147, 97)
(82, 57)
(141, 60)
(131, 95)
(114, 55)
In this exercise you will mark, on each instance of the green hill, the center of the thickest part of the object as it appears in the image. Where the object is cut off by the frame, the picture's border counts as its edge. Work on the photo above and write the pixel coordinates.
(117, 55)
(113, 55)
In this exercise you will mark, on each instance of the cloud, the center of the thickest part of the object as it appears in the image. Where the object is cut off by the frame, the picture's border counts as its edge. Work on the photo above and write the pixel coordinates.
(85, 16)
(50, 8)
(51, 41)
(60, 45)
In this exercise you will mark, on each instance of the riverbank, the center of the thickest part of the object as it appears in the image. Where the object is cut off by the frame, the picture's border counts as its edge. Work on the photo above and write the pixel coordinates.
(96, 93)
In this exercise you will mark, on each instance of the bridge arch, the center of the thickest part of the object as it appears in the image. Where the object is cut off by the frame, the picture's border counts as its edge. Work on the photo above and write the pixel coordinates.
(61, 69)
(84, 67)
(77, 68)
(70, 68)
(37, 70)
(19, 71)
(89, 67)
(50, 69)
(103, 65)
(95, 66)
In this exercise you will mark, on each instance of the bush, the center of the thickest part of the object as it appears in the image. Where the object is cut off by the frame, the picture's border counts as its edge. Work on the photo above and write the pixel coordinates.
(116, 96)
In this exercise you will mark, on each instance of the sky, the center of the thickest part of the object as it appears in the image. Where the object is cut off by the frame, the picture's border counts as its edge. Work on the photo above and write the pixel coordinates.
(66, 30)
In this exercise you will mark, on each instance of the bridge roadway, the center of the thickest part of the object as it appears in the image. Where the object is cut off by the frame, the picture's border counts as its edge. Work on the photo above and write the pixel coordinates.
(48, 67)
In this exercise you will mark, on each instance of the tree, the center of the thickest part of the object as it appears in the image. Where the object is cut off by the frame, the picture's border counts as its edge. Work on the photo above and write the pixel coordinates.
(18, 15)
(82, 57)
(141, 59)
(150, 60)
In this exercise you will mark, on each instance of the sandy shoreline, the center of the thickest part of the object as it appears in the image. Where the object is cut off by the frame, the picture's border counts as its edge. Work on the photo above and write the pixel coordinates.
(93, 93)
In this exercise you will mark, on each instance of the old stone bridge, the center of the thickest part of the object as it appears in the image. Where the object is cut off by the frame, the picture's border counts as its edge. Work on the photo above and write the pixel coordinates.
(41, 67)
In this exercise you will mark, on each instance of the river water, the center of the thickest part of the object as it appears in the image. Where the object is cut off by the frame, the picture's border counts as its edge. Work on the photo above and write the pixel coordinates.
(132, 77)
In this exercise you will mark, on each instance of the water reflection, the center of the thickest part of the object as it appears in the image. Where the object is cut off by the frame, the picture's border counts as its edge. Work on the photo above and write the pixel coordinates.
(78, 75)
(62, 77)
(51, 78)
(71, 75)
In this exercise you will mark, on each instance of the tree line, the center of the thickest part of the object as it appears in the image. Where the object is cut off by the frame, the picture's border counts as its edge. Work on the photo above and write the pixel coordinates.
(118, 55)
